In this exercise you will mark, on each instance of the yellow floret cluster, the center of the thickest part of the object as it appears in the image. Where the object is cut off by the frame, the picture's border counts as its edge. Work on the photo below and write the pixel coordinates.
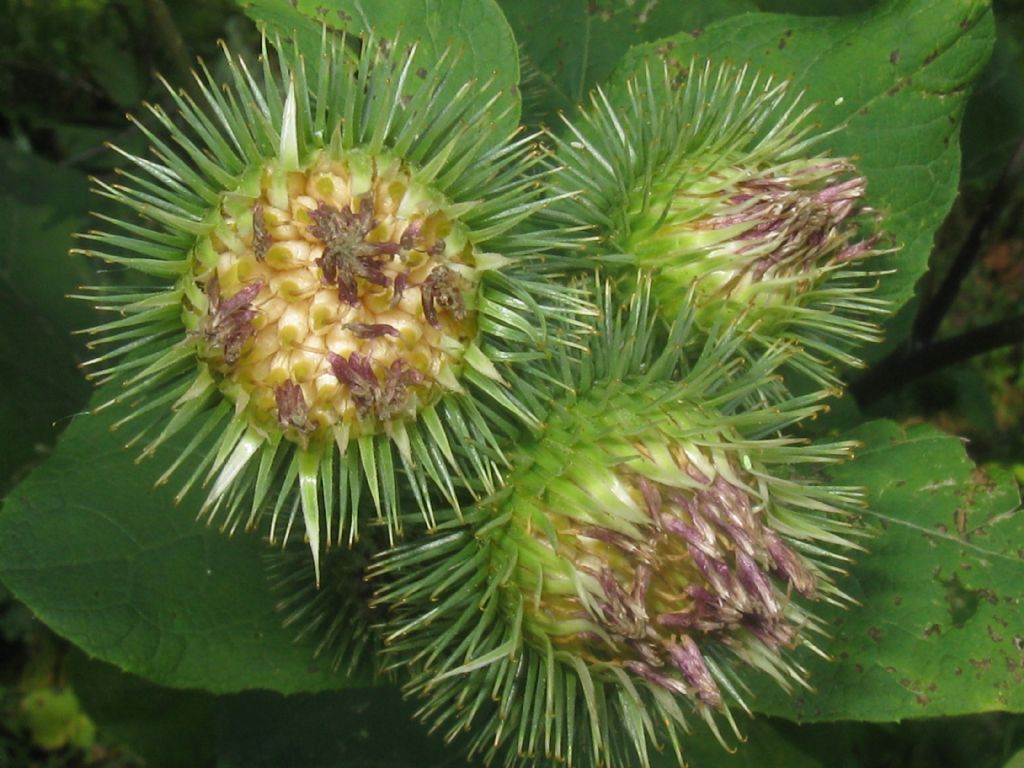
(340, 298)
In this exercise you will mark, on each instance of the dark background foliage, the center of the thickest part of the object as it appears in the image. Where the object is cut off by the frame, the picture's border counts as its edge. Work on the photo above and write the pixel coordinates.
(952, 364)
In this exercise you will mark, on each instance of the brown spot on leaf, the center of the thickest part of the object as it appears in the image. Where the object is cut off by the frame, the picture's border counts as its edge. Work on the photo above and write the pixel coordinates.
(875, 633)
(961, 521)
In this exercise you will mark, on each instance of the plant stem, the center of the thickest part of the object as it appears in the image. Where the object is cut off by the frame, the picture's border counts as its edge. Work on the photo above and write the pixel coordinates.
(170, 40)
(905, 365)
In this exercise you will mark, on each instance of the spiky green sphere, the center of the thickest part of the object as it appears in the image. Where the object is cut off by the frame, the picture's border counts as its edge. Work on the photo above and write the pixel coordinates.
(340, 271)
(333, 615)
(714, 186)
(657, 541)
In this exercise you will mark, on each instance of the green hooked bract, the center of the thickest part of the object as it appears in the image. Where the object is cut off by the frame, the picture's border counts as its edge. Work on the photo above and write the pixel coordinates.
(351, 308)
(713, 185)
(333, 614)
(337, 272)
(657, 540)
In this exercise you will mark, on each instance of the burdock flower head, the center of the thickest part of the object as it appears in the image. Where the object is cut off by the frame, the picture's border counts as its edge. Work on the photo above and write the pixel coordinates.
(657, 541)
(339, 257)
(714, 184)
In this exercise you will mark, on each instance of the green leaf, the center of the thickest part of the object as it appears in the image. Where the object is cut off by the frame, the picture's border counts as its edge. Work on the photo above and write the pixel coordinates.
(168, 728)
(107, 560)
(116, 69)
(815, 7)
(41, 205)
(896, 78)
(259, 730)
(763, 746)
(994, 121)
(570, 46)
(474, 29)
(357, 728)
(262, 730)
(939, 629)
(974, 741)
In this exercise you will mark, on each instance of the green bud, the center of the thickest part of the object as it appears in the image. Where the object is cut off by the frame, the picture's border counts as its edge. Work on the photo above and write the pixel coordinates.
(656, 542)
(714, 187)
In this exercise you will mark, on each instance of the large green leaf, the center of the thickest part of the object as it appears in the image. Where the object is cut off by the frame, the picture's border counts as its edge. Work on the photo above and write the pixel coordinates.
(166, 727)
(41, 205)
(896, 78)
(940, 627)
(762, 746)
(108, 560)
(816, 7)
(994, 121)
(569, 47)
(259, 729)
(373, 728)
(974, 741)
(475, 30)
(356, 728)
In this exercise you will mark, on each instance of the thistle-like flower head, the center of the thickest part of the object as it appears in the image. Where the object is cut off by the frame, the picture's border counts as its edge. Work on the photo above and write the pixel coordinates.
(342, 306)
(342, 270)
(656, 540)
(714, 184)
